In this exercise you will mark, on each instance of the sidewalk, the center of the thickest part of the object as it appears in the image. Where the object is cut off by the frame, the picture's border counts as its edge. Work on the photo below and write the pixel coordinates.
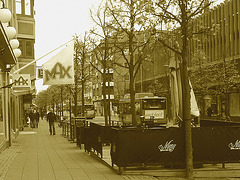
(35, 155)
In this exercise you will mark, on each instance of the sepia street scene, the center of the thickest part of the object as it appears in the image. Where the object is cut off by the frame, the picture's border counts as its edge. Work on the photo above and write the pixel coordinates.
(119, 90)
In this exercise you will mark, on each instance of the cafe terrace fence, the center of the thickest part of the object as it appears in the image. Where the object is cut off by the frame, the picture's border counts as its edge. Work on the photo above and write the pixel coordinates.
(162, 146)
(95, 136)
(131, 147)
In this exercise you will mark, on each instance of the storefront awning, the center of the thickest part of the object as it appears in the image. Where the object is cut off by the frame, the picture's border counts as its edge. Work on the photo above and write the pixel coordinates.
(6, 53)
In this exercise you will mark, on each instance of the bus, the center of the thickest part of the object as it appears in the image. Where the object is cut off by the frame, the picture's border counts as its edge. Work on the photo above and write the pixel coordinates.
(89, 111)
(148, 109)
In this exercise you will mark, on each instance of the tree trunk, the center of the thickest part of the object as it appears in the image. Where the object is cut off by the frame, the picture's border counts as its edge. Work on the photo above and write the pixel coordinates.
(83, 101)
(104, 93)
(75, 98)
(131, 65)
(186, 104)
(187, 121)
(83, 83)
(109, 99)
(61, 100)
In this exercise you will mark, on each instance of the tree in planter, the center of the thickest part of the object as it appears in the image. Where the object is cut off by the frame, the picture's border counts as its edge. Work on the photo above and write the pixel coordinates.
(82, 68)
(177, 15)
(132, 30)
(102, 52)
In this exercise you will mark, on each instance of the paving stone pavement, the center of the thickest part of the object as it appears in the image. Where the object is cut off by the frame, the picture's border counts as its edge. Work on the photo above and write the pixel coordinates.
(7, 157)
(35, 154)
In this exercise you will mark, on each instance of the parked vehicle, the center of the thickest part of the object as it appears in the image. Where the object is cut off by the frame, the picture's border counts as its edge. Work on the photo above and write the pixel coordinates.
(89, 111)
(148, 109)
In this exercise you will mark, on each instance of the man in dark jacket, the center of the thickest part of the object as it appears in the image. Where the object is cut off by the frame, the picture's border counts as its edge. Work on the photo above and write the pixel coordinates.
(51, 117)
(37, 118)
(32, 119)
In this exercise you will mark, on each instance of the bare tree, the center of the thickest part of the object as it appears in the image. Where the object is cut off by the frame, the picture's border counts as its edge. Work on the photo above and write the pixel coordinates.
(82, 67)
(131, 30)
(177, 15)
(102, 53)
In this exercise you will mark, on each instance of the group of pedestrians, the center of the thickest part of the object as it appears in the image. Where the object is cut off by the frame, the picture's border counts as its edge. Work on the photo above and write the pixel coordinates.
(34, 118)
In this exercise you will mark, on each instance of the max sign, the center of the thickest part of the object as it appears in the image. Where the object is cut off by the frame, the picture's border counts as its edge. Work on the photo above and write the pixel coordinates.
(60, 68)
(21, 80)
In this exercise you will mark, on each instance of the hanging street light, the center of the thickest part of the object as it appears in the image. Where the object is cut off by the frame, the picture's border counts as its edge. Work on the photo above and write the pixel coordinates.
(14, 43)
(5, 15)
(17, 52)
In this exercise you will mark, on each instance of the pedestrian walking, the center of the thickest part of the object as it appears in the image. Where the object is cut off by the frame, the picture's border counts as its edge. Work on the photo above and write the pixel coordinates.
(41, 114)
(51, 118)
(209, 111)
(32, 119)
(37, 118)
(26, 117)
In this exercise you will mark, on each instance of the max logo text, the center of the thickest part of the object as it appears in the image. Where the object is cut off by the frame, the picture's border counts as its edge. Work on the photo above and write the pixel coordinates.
(21, 81)
(58, 69)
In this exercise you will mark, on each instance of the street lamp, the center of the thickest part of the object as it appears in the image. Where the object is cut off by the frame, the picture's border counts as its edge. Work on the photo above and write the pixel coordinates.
(5, 15)
(17, 52)
(10, 31)
(14, 43)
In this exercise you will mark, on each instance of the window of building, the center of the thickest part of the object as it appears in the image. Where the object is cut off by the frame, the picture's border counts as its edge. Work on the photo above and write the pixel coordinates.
(27, 7)
(19, 6)
(27, 48)
(24, 7)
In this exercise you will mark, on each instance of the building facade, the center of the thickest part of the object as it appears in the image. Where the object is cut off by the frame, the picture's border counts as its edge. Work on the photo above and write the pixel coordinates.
(18, 86)
(214, 63)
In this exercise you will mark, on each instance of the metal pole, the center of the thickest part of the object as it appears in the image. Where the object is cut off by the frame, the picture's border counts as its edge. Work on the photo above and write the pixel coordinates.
(70, 116)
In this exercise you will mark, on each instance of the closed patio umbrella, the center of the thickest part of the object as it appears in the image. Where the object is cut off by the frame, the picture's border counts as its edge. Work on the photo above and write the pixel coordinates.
(176, 93)
(176, 90)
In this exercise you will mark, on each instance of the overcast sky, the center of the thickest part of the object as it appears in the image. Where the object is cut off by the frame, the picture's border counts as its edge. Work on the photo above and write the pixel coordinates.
(58, 20)
(56, 23)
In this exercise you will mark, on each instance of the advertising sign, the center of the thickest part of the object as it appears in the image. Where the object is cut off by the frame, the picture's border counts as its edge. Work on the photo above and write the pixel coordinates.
(21, 81)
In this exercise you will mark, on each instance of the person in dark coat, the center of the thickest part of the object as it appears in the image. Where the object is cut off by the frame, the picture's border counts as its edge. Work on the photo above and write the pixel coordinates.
(37, 118)
(32, 119)
(209, 111)
(51, 118)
